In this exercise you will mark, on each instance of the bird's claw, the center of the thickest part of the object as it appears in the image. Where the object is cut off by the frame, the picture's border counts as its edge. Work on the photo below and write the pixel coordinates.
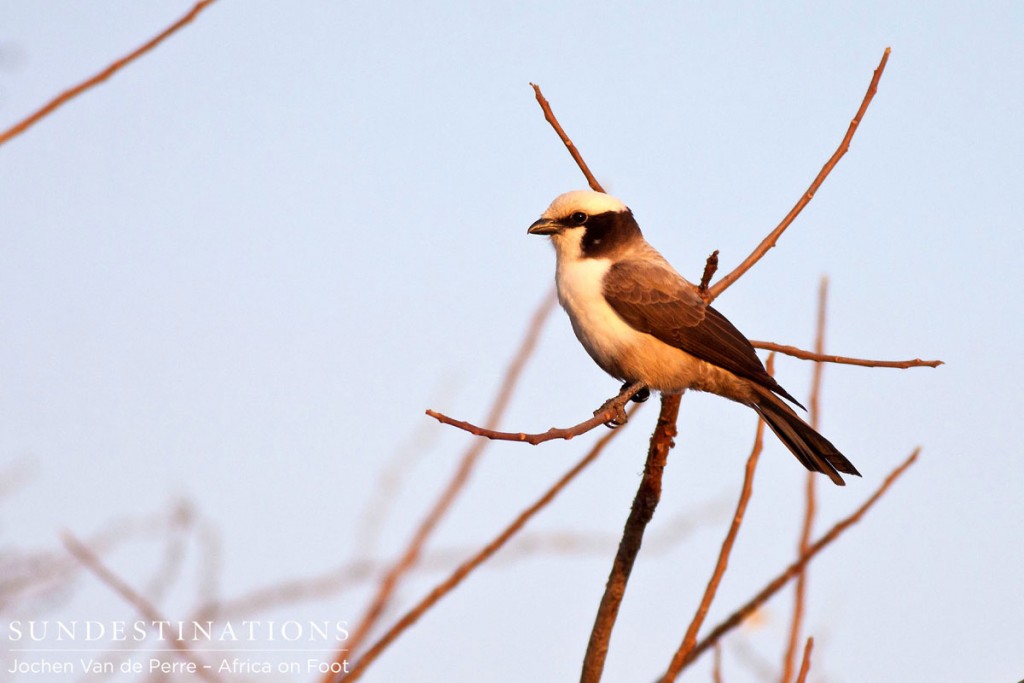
(618, 418)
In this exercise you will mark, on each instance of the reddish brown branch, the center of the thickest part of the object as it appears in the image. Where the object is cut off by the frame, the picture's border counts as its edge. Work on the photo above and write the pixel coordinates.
(72, 92)
(640, 515)
(690, 639)
(89, 560)
(610, 411)
(458, 481)
(449, 584)
(549, 116)
(773, 237)
(776, 584)
(844, 360)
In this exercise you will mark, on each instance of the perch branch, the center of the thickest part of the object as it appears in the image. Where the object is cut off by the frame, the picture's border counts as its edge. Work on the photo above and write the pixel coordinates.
(608, 412)
(773, 237)
(640, 515)
(446, 586)
(103, 75)
(776, 584)
(549, 116)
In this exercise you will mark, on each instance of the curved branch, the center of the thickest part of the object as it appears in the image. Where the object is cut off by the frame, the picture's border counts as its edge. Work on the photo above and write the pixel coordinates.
(113, 68)
(611, 411)
(773, 237)
(844, 360)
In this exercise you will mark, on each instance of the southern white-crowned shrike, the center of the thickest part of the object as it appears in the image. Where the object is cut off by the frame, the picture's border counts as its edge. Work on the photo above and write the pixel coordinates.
(641, 321)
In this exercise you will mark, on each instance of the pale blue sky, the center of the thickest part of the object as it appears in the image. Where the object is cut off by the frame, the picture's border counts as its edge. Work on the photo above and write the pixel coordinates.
(240, 270)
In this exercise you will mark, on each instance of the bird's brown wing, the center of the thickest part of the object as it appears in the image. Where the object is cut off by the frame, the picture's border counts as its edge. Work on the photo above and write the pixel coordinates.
(654, 299)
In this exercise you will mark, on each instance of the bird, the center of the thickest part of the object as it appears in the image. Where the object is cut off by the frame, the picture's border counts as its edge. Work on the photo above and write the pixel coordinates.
(641, 321)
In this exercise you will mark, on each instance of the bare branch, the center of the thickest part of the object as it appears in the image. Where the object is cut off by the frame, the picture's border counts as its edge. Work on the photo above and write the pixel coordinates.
(844, 360)
(467, 567)
(640, 515)
(72, 92)
(773, 237)
(144, 607)
(607, 413)
(776, 584)
(549, 116)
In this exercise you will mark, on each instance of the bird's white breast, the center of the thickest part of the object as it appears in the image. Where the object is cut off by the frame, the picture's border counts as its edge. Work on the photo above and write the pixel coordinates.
(604, 335)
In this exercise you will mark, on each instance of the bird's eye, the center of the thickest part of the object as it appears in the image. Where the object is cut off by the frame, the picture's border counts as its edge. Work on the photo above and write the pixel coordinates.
(578, 218)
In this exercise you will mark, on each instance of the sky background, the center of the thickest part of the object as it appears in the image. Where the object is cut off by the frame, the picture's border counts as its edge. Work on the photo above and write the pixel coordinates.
(237, 273)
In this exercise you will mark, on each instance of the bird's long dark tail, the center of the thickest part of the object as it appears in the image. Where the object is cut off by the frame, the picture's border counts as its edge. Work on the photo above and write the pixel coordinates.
(812, 449)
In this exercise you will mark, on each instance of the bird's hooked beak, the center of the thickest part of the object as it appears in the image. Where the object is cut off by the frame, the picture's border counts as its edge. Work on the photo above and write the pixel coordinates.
(544, 226)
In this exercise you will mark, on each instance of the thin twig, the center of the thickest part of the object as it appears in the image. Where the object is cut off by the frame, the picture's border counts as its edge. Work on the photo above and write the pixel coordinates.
(776, 584)
(844, 360)
(773, 237)
(446, 586)
(805, 665)
(458, 481)
(549, 116)
(103, 75)
(608, 412)
(690, 639)
(640, 515)
(810, 501)
(89, 560)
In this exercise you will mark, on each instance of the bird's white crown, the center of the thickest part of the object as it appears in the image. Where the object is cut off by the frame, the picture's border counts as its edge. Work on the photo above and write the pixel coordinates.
(587, 201)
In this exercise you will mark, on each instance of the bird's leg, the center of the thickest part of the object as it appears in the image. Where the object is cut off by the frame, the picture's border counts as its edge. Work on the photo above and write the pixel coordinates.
(635, 391)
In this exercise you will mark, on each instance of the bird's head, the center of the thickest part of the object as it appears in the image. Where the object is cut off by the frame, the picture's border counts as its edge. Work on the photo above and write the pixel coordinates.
(587, 224)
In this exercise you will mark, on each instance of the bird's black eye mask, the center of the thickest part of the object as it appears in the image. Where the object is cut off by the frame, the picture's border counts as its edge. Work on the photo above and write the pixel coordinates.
(607, 232)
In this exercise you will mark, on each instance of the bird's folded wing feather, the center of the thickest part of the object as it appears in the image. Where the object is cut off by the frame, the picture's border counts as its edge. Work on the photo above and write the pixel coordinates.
(654, 299)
